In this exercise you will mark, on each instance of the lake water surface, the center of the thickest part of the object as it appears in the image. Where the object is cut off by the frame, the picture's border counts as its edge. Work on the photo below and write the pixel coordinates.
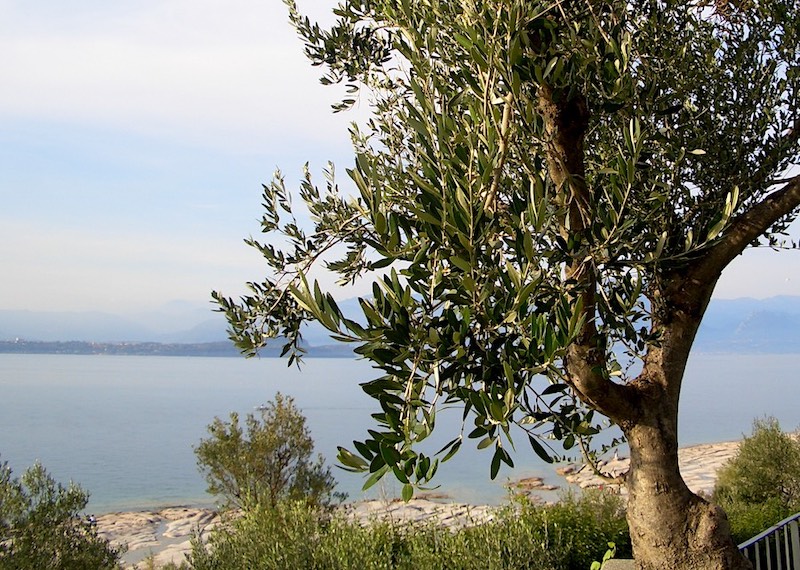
(124, 426)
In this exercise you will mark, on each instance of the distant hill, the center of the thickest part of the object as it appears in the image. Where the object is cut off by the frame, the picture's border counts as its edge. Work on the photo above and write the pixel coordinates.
(175, 322)
(751, 325)
(80, 326)
(119, 348)
(189, 325)
(737, 325)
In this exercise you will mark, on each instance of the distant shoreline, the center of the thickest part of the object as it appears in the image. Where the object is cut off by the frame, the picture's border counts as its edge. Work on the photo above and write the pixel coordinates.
(215, 349)
(227, 349)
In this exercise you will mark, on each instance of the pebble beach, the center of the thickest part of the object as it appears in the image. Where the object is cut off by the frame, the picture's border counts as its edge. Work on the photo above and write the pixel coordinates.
(166, 534)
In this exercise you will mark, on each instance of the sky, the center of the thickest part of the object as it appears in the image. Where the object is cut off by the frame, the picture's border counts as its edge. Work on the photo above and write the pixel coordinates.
(135, 138)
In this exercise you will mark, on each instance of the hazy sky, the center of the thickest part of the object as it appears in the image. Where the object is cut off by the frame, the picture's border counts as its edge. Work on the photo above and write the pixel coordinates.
(136, 136)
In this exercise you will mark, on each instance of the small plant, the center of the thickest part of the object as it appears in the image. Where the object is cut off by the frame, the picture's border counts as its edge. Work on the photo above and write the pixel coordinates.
(270, 462)
(149, 563)
(610, 553)
(566, 536)
(584, 523)
(41, 526)
(761, 484)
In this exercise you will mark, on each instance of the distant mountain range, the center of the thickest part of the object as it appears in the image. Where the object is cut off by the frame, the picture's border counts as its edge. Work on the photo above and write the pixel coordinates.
(751, 325)
(739, 325)
(169, 326)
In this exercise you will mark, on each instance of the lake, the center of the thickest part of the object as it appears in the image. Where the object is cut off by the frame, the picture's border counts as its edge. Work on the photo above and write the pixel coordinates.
(124, 426)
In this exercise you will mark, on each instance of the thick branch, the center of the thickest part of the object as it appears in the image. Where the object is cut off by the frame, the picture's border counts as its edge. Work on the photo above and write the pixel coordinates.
(747, 227)
(584, 367)
(686, 291)
(566, 121)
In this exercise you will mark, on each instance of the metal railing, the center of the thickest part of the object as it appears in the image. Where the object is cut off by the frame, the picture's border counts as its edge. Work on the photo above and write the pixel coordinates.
(777, 548)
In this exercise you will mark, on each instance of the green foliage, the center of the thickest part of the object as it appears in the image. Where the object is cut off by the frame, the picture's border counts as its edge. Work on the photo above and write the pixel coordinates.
(536, 186)
(270, 462)
(565, 536)
(750, 519)
(610, 553)
(543, 200)
(766, 466)
(585, 524)
(149, 563)
(761, 484)
(41, 525)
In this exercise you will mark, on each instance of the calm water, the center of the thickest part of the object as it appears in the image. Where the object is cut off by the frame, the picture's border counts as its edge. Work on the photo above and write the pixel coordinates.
(124, 427)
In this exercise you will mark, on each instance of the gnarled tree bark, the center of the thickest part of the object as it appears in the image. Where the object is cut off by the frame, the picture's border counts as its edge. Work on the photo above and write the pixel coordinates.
(671, 527)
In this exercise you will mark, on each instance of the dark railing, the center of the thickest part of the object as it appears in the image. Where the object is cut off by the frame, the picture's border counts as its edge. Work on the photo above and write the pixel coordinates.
(777, 548)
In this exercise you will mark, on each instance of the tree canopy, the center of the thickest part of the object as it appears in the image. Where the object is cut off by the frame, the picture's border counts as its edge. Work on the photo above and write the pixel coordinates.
(547, 193)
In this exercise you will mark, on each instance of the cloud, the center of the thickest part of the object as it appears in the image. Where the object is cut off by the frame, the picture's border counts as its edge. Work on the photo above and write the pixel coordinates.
(210, 71)
(107, 200)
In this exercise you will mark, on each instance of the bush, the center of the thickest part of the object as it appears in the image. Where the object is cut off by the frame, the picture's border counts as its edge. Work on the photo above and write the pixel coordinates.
(586, 523)
(271, 463)
(40, 525)
(748, 520)
(761, 484)
(567, 536)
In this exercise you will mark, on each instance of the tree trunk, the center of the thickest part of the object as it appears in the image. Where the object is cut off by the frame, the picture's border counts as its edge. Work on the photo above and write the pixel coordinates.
(671, 527)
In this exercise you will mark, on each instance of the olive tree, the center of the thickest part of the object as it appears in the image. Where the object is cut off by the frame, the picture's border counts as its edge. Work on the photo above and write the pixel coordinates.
(269, 461)
(546, 195)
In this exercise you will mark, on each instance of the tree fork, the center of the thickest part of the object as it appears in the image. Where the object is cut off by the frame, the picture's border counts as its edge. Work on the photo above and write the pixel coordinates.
(647, 409)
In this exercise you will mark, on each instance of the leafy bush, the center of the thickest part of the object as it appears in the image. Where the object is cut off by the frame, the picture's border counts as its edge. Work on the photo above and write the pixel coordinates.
(748, 520)
(586, 523)
(272, 462)
(522, 536)
(40, 525)
(761, 484)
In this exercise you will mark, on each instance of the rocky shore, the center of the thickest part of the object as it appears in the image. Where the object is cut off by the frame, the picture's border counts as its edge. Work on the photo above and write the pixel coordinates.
(698, 464)
(166, 534)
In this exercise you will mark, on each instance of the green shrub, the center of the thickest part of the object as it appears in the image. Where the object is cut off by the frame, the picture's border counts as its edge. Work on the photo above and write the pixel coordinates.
(586, 523)
(566, 536)
(761, 484)
(272, 462)
(41, 527)
(747, 520)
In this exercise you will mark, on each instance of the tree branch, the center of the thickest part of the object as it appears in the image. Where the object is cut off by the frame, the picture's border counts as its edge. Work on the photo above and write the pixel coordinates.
(490, 204)
(747, 227)
(584, 366)
(566, 121)
(595, 466)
